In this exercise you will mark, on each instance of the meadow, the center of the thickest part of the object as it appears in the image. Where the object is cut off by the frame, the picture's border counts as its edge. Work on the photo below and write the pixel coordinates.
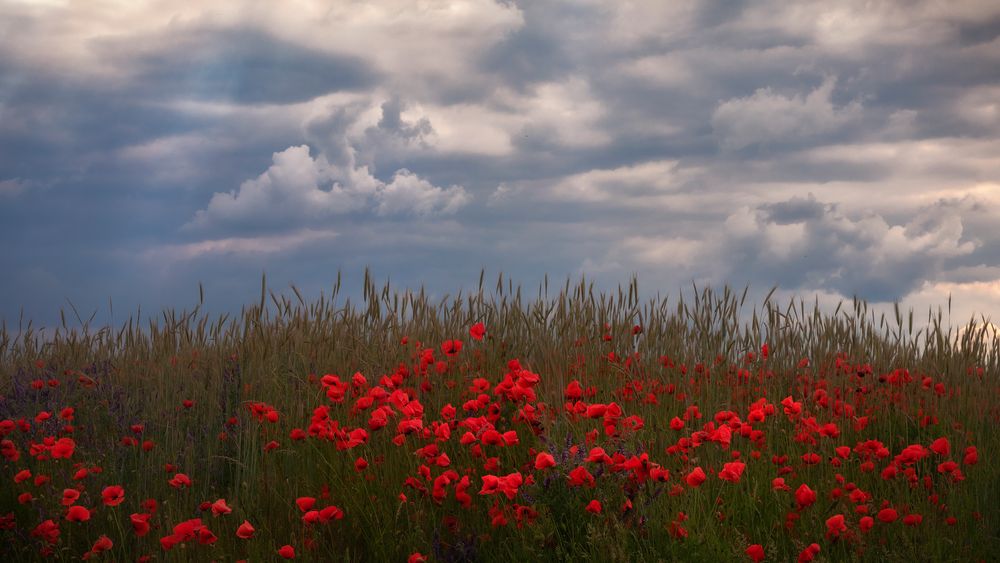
(504, 425)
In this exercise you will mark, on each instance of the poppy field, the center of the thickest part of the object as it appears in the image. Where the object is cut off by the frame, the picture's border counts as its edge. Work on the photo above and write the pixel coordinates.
(504, 425)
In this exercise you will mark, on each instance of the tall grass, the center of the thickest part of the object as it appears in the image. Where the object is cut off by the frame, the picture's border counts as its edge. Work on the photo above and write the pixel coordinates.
(690, 351)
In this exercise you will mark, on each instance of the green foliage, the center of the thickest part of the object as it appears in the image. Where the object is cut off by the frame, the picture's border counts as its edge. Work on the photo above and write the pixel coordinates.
(275, 351)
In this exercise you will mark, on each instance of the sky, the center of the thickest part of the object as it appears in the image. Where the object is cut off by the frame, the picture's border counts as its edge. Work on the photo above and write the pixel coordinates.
(832, 149)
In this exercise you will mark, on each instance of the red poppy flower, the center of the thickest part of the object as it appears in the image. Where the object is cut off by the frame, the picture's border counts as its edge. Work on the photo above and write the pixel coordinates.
(245, 531)
(598, 455)
(330, 513)
(286, 552)
(755, 552)
(305, 503)
(791, 406)
(168, 542)
(461, 495)
(947, 467)
(140, 524)
(573, 391)
(732, 471)
(887, 515)
(911, 454)
(205, 536)
(809, 553)
(835, 525)
(580, 476)
(102, 544)
(47, 531)
(912, 520)
(594, 507)
(507, 484)
(187, 530)
(77, 513)
(113, 495)
(829, 430)
(804, 496)
(941, 446)
(69, 497)
(544, 460)
(492, 438)
(220, 507)
(451, 347)
(696, 477)
(477, 331)
(179, 481)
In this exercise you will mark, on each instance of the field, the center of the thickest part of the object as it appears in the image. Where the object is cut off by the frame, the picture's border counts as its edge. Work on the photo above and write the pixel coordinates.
(562, 425)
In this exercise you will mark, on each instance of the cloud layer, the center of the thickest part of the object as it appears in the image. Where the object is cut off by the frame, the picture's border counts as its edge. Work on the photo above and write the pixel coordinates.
(835, 148)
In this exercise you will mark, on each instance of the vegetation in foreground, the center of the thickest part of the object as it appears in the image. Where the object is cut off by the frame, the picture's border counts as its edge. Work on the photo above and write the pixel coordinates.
(571, 425)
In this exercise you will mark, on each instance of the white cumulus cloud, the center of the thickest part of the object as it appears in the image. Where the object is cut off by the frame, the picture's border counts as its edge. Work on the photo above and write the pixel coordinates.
(298, 188)
(767, 117)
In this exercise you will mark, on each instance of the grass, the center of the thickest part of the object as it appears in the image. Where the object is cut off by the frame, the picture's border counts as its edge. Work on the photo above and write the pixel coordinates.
(874, 378)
